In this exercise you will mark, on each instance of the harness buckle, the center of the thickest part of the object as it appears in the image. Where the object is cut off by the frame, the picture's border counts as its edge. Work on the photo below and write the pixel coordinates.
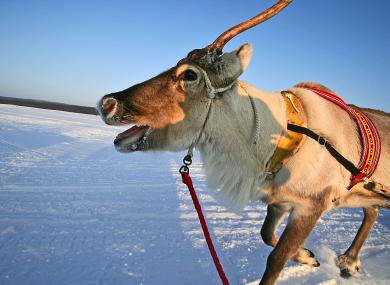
(322, 141)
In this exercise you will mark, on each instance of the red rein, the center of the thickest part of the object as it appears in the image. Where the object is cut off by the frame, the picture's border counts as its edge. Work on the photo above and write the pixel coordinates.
(185, 175)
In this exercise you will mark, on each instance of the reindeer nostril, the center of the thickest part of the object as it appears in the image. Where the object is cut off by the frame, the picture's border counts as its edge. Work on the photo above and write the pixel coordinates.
(109, 106)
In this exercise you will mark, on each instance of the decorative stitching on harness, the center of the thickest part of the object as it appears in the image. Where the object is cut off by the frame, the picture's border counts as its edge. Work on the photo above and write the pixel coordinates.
(369, 134)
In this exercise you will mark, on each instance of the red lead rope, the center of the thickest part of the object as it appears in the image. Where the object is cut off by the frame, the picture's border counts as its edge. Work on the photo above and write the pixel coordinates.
(185, 175)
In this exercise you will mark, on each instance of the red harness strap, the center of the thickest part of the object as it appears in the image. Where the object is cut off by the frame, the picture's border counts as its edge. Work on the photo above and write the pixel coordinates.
(369, 135)
(188, 181)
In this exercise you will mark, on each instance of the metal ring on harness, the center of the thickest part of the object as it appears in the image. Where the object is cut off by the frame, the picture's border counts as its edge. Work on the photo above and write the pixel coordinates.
(187, 160)
(184, 169)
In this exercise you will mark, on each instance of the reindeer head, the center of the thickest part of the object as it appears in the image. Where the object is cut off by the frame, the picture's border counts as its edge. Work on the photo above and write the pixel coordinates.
(168, 111)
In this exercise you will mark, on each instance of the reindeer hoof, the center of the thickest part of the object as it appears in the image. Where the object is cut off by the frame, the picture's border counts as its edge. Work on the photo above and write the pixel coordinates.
(311, 254)
(348, 266)
(305, 256)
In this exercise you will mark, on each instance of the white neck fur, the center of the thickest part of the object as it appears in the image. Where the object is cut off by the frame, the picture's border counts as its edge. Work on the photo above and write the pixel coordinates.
(232, 162)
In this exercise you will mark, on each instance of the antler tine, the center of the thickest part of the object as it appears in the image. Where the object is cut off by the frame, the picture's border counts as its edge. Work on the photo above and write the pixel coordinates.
(221, 41)
(209, 53)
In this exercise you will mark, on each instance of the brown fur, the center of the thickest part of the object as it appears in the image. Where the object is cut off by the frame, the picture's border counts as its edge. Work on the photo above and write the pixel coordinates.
(373, 112)
(164, 101)
(297, 230)
(314, 85)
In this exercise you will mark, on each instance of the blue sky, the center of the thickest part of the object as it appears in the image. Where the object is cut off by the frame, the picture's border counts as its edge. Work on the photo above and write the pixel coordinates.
(77, 51)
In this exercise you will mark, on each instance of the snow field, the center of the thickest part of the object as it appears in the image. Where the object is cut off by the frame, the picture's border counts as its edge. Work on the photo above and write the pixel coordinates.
(74, 211)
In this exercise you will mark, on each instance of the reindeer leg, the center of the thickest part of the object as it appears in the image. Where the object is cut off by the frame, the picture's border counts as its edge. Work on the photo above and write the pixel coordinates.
(271, 222)
(349, 262)
(297, 230)
(274, 216)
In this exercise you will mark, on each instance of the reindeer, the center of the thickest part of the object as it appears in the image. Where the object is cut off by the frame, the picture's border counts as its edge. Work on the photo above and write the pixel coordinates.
(237, 129)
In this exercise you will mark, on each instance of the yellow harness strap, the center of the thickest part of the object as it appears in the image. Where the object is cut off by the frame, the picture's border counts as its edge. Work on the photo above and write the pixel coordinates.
(289, 142)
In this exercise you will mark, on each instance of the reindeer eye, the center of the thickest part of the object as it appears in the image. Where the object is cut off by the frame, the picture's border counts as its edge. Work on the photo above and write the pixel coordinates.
(190, 75)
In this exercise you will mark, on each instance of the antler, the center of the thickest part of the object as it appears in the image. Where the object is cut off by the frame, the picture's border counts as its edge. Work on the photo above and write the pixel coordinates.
(221, 41)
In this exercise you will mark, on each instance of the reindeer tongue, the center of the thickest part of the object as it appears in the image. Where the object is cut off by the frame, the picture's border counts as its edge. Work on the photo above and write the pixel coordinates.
(135, 133)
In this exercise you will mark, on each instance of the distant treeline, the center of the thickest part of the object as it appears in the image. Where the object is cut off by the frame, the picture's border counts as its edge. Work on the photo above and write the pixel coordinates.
(48, 105)
(92, 111)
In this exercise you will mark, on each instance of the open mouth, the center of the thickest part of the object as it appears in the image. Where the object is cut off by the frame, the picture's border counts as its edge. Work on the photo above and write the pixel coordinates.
(135, 138)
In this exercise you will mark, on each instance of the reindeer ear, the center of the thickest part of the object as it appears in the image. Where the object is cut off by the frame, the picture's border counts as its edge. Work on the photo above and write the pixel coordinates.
(244, 54)
(230, 66)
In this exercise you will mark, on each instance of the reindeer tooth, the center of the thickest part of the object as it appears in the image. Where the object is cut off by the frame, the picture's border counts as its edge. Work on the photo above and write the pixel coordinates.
(133, 147)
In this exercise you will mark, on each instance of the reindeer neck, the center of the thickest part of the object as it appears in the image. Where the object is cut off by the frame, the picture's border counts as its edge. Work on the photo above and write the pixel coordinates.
(233, 163)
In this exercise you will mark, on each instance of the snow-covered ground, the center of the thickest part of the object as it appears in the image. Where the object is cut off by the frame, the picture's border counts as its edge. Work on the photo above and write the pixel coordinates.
(74, 211)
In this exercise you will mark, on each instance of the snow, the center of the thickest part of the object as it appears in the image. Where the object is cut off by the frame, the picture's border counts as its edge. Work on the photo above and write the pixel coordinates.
(75, 211)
